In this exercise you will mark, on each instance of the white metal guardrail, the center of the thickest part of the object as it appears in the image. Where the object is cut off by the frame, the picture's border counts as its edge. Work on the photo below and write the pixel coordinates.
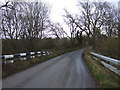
(114, 61)
(22, 56)
(114, 69)
(111, 60)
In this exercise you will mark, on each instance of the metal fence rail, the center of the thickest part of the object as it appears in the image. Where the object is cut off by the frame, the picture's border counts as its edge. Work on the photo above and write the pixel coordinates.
(24, 54)
(114, 69)
(114, 61)
(111, 60)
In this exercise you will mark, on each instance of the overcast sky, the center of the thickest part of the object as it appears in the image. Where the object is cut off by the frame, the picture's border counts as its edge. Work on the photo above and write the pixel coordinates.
(57, 8)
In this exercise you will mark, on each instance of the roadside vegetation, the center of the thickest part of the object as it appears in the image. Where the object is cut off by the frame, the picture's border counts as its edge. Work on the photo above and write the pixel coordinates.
(103, 76)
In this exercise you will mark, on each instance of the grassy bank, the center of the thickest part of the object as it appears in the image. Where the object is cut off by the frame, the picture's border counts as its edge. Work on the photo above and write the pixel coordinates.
(103, 76)
(12, 68)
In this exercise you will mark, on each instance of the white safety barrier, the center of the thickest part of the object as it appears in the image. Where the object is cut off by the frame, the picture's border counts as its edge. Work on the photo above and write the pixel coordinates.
(8, 56)
(114, 69)
(22, 56)
(111, 60)
(114, 61)
(32, 53)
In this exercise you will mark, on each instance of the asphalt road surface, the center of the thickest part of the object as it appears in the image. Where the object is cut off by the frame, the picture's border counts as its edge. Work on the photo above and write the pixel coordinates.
(65, 71)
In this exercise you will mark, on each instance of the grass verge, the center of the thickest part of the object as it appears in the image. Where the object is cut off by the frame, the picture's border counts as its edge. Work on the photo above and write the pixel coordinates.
(103, 76)
(11, 68)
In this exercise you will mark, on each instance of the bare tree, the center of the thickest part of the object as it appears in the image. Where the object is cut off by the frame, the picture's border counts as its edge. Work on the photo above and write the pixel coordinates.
(57, 30)
(95, 18)
(24, 19)
(69, 19)
(36, 16)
